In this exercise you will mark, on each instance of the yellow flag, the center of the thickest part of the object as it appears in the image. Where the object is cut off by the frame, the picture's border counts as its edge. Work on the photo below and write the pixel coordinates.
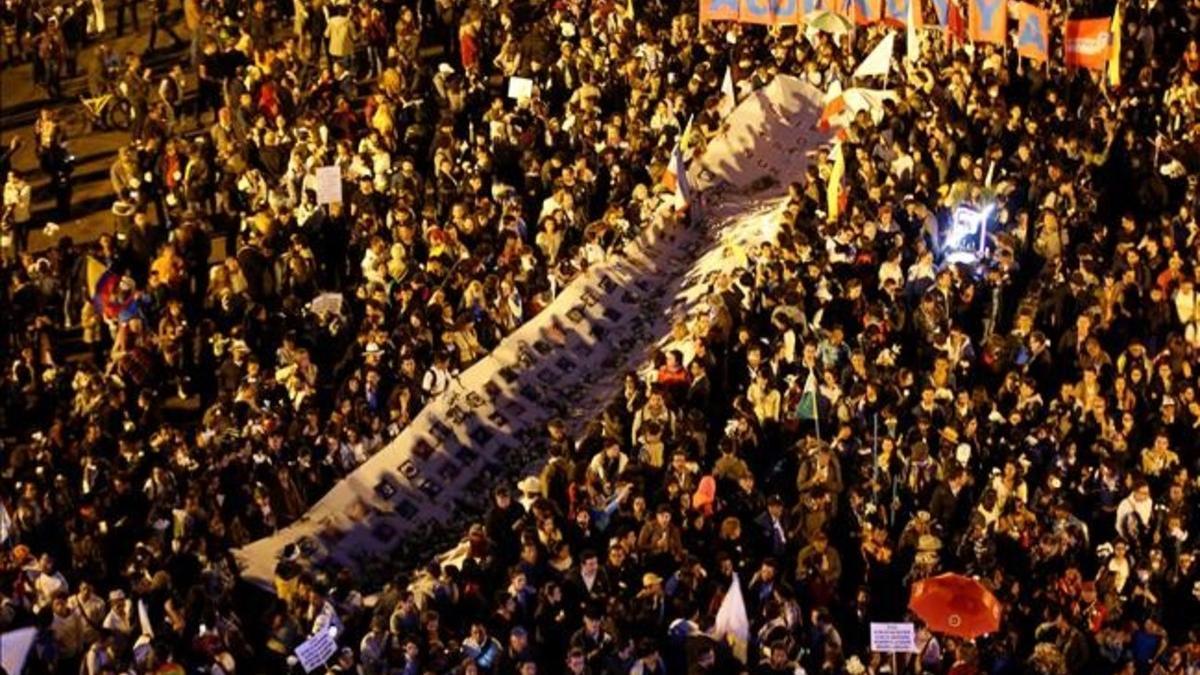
(833, 192)
(629, 10)
(95, 270)
(1114, 53)
(687, 139)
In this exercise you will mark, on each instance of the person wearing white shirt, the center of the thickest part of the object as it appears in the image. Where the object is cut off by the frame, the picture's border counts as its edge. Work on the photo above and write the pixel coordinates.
(891, 268)
(48, 583)
(1185, 300)
(119, 619)
(18, 196)
(90, 607)
(1120, 566)
(14, 215)
(324, 616)
(437, 378)
(1134, 512)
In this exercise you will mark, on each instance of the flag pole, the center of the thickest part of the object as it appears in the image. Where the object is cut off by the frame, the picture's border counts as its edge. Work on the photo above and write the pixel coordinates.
(817, 408)
(875, 456)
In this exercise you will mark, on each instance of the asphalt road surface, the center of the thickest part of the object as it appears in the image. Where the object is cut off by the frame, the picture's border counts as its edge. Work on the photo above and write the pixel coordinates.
(20, 101)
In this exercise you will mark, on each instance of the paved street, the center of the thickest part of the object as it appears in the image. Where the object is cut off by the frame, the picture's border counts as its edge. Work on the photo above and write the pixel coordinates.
(20, 101)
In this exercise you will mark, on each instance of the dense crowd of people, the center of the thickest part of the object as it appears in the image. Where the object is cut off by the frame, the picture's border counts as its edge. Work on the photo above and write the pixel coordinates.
(197, 378)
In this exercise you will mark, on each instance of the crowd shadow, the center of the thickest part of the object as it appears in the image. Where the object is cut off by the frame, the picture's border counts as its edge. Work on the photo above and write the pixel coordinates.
(439, 480)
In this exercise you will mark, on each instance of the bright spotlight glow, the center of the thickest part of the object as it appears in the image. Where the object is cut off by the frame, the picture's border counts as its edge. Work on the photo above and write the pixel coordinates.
(967, 223)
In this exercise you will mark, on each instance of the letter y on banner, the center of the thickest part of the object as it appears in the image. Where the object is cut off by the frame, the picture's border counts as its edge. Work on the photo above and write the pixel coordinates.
(987, 20)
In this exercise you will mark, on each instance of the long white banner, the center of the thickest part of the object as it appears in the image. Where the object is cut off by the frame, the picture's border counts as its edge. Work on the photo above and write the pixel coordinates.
(416, 495)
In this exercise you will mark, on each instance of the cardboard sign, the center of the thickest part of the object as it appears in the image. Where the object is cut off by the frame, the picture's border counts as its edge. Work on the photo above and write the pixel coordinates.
(520, 88)
(893, 638)
(327, 303)
(329, 184)
(316, 651)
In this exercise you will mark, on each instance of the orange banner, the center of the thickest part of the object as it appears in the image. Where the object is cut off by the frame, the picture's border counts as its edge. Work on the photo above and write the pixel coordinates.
(865, 11)
(788, 12)
(896, 12)
(987, 20)
(756, 11)
(1087, 43)
(719, 10)
(761, 12)
(1033, 32)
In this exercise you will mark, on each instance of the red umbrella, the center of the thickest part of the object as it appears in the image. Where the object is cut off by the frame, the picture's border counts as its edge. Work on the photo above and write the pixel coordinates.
(956, 605)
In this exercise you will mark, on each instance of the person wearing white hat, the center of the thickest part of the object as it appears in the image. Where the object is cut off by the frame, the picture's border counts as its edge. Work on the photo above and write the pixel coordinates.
(530, 488)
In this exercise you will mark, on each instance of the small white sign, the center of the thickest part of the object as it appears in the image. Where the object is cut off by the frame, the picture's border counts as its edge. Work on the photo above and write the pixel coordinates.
(316, 651)
(520, 88)
(329, 184)
(893, 638)
(327, 303)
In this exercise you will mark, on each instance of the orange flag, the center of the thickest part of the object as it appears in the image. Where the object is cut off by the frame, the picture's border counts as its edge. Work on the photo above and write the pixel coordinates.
(896, 11)
(1033, 32)
(865, 11)
(788, 12)
(718, 10)
(756, 11)
(987, 20)
(1087, 42)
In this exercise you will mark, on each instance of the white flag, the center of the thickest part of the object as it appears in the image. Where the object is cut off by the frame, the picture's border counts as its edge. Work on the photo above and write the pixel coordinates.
(678, 171)
(6, 524)
(913, 39)
(879, 61)
(732, 624)
(728, 95)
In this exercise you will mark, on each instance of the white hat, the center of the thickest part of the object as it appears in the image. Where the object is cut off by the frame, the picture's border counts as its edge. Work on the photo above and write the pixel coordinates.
(530, 485)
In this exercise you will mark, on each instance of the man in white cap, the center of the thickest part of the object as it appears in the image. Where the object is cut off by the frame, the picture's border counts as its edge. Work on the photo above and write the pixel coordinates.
(531, 490)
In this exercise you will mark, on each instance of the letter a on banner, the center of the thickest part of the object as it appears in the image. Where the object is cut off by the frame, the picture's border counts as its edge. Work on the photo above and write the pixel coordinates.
(987, 20)
(1033, 34)
(718, 10)
(756, 11)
